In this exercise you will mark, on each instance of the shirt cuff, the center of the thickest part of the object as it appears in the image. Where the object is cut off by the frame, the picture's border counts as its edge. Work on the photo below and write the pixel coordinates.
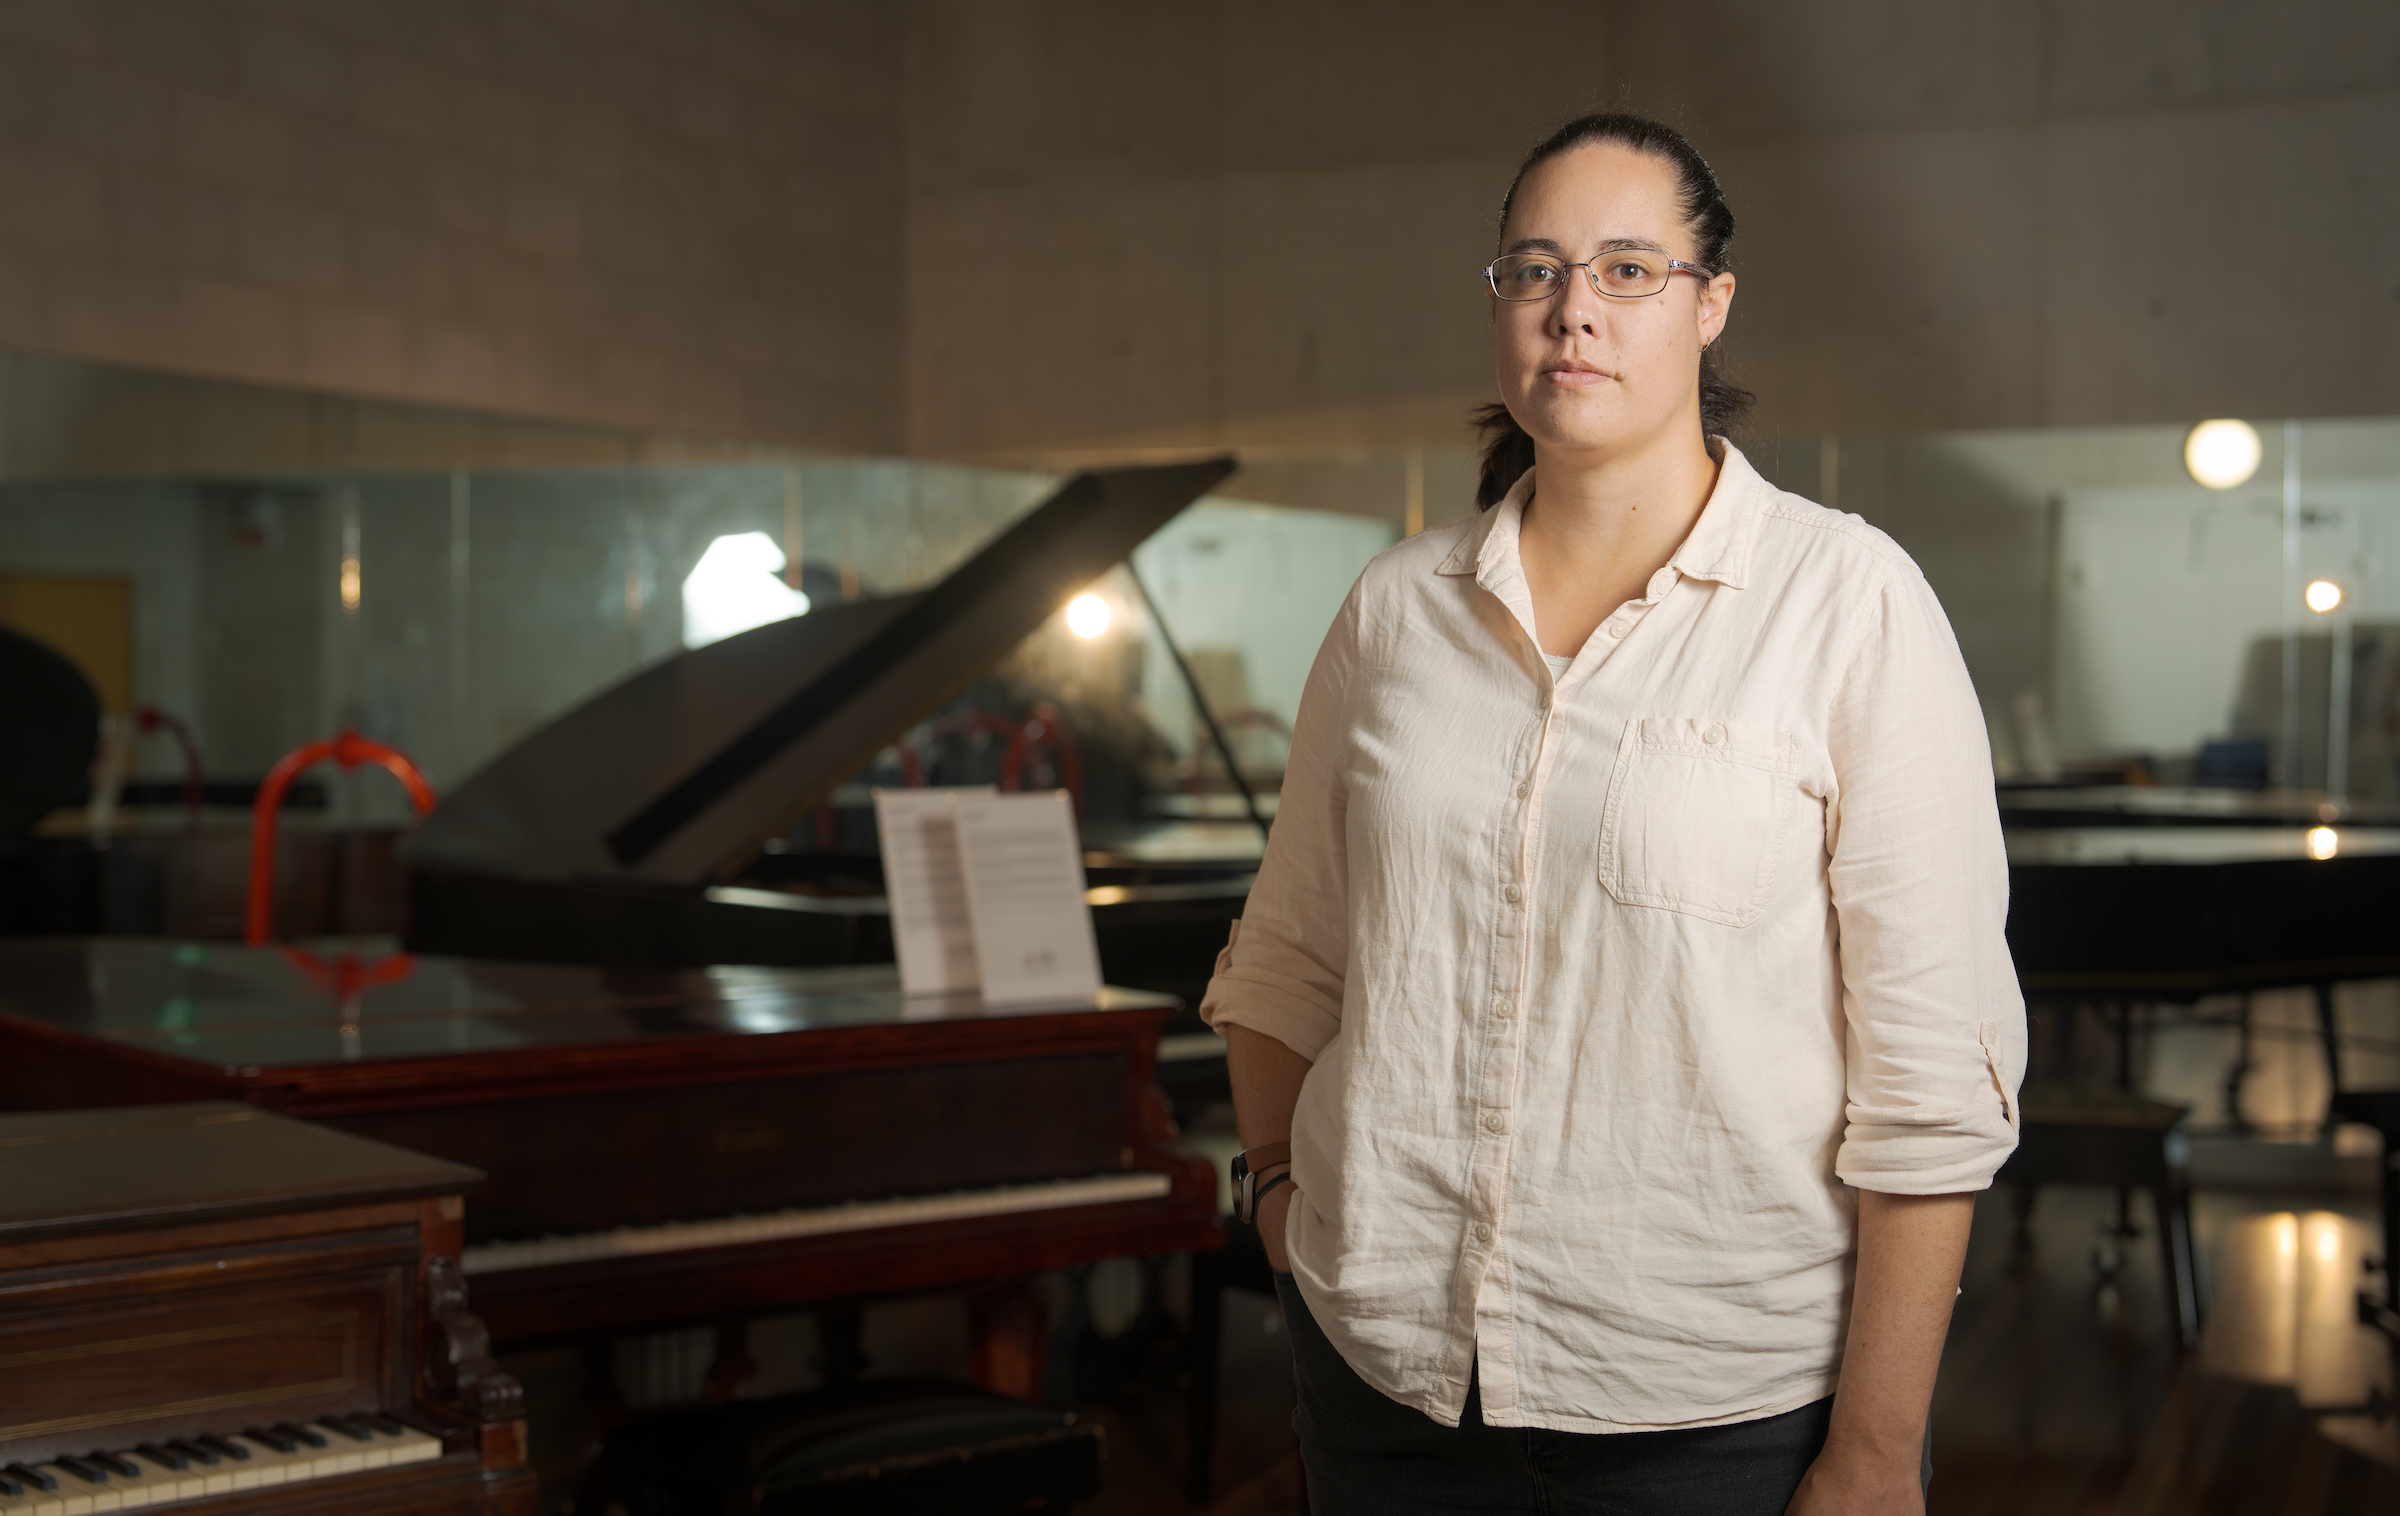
(1301, 1025)
(1921, 1157)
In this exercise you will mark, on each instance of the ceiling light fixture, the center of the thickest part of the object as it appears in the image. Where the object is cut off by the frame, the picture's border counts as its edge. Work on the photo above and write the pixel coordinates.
(2222, 454)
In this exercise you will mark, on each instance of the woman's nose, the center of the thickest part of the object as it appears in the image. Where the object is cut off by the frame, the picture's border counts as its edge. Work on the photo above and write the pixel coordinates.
(1574, 312)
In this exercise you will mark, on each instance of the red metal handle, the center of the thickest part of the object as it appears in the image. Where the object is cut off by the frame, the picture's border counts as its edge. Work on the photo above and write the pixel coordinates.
(148, 719)
(349, 750)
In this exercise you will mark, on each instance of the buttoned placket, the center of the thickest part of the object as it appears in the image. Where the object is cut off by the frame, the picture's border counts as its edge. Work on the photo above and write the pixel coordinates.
(1503, 1064)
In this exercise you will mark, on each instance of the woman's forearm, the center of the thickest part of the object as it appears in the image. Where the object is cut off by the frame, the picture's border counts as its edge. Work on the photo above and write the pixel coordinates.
(1266, 1078)
(1910, 1250)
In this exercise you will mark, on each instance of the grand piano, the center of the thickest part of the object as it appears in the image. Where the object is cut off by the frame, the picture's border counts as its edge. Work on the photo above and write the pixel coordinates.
(2138, 896)
(686, 1066)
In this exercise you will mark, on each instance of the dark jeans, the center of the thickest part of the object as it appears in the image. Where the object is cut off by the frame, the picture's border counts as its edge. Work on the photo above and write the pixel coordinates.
(1367, 1453)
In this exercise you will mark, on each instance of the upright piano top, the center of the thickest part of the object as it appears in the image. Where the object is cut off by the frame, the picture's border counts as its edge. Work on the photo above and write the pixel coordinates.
(77, 1172)
(262, 1013)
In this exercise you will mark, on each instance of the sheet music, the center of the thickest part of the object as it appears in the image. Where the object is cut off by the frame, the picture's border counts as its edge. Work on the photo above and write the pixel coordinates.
(932, 933)
(1024, 872)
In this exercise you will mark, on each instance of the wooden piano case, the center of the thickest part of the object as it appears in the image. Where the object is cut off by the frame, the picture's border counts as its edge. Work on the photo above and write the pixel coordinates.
(598, 1099)
(198, 1270)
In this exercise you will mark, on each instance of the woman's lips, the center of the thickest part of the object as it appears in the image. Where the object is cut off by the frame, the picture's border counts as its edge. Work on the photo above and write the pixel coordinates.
(1576, 378)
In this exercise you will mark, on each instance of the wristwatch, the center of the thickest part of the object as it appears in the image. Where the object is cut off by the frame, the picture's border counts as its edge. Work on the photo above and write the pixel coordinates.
(1249, 1189)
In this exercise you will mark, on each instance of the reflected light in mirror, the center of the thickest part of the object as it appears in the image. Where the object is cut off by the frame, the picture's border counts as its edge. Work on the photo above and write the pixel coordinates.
(2323, 842)
(2323, 595)
(2222, 454)
(1087, 615)
(2327, 1230)
(736, 585)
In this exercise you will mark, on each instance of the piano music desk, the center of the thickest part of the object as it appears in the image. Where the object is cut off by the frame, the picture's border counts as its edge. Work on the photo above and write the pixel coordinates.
(212, 1308)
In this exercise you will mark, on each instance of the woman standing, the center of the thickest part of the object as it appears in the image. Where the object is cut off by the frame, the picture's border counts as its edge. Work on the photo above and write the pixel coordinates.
(1621, 1020)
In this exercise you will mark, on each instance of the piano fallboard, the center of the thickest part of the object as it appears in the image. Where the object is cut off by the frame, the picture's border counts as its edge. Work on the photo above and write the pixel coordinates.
(687, 1104)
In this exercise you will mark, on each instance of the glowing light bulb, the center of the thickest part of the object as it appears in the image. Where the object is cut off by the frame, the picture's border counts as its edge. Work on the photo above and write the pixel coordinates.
(2323, 842)
(2222, 454)
(2323, 595)
(1087, 615)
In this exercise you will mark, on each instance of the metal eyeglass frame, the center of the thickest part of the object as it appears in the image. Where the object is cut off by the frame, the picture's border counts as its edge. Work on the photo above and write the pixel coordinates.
(1591, 276)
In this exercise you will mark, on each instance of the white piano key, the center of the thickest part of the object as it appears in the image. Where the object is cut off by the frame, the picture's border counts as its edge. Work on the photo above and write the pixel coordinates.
(814, 1221)
(170, 1483)
(73, 1495)
(414, 1446)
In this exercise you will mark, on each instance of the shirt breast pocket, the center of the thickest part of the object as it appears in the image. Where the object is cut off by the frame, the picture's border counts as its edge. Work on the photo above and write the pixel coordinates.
(1695, 816)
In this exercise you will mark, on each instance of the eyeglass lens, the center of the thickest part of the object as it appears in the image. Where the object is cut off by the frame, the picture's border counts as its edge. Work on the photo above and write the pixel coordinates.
(1625, 275)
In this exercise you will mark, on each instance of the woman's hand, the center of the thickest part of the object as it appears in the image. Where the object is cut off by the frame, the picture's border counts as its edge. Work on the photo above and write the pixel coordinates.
(1849, 1480)
(1271, 1213)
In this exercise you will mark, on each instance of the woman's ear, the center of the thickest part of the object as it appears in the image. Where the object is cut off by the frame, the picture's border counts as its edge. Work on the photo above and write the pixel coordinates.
(1716, 303)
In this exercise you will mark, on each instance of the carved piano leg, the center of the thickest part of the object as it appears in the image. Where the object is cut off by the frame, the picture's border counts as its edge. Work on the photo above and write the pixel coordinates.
(1011, 1330)
(462, 1386)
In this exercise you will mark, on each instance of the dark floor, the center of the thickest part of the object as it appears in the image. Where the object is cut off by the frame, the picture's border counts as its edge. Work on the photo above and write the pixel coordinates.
(2059, 1392)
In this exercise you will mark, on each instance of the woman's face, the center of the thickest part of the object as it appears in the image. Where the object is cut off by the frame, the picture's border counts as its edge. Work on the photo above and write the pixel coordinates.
(1582, 372)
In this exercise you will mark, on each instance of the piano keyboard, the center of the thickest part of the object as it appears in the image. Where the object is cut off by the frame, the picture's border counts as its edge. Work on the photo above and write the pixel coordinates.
(817, 1221)
(163, 1472)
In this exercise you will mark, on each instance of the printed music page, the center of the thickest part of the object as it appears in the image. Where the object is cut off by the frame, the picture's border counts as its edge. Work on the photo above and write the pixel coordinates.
(931, 931)
(1033, 928)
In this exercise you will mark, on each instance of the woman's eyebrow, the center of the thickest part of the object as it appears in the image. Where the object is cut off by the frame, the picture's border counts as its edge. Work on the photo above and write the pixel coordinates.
(1612, 245)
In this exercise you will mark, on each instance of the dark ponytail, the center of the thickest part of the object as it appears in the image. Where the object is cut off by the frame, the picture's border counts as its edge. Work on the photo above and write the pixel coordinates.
(1507, 450)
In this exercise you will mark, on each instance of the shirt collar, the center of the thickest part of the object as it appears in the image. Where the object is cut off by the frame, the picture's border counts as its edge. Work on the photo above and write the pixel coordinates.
(1718, 548)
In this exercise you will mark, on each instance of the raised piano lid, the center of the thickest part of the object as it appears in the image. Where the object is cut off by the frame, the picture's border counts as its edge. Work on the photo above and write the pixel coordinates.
(247, 1018)
(680, 774)
(79, 1172)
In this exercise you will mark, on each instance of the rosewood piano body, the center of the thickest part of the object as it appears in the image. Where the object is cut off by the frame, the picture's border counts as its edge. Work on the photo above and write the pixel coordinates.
(663, 1147)
(214, 1309)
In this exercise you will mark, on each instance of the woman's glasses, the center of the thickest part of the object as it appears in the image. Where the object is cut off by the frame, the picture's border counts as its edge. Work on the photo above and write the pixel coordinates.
(1631, 275)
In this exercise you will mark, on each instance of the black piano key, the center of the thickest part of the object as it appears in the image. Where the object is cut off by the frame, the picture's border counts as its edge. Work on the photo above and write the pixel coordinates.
(165, 1459)
(342, 1425)
(293, 1430)
(223, 1448)
(384, 1424)
(281, 1442)
(32, 1476)
(194, 1452)
(10, 1486)
(114, 1464)
(88, 1473)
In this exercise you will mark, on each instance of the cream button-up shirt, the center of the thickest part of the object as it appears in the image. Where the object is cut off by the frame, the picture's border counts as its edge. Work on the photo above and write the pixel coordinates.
(1617, 983)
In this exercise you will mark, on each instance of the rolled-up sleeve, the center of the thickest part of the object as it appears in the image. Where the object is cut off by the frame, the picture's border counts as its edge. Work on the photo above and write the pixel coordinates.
(1282, 973)
(1919, 880)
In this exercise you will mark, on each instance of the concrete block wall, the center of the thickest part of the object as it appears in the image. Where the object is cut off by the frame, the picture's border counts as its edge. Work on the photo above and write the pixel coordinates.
(639, 213)
(1974, 215)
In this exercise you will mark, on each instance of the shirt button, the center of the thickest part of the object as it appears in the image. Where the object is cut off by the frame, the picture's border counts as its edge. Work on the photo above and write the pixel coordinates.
(1524, 790)
(1501, 1008)
(1714, 735)
(1494, 1122)
(1513, 894)
(1615, 629)
(1483, 1231)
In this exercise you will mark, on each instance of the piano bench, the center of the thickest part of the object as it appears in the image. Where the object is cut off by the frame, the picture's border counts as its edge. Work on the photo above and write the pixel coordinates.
(2071, 1134)
(896, 1446)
